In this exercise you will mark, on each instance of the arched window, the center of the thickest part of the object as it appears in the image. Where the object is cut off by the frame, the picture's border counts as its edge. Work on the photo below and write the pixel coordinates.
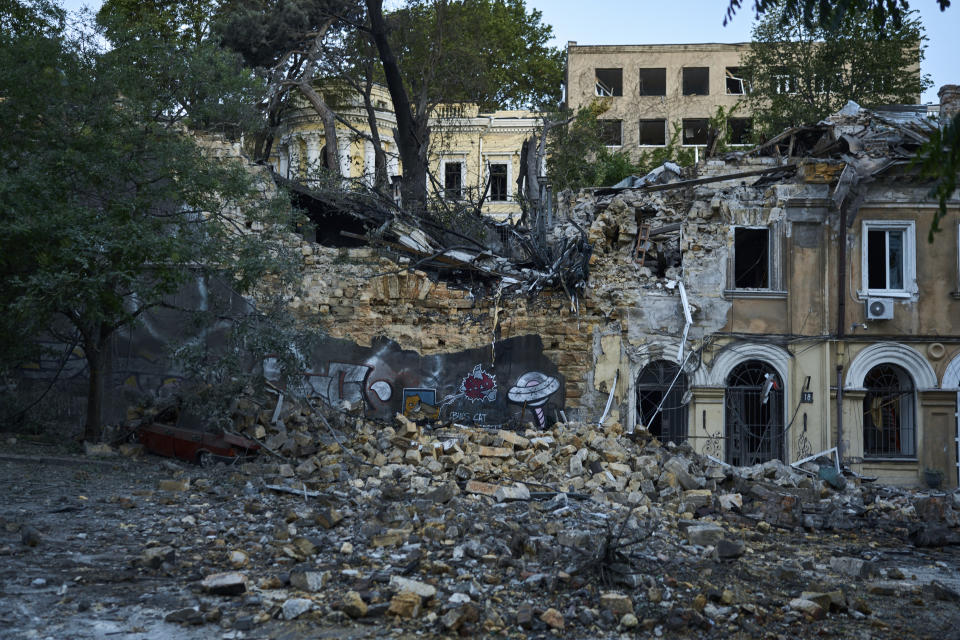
(659, 386)
(753, 414)
(889, 427)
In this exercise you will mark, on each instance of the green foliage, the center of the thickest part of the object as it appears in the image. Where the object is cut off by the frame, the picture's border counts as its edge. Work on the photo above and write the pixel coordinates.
(800, 73)
(880, 12)
(110, 207)
(34, 17)
(939, 159)
(185, 74)
(577, 157)
(491, 52)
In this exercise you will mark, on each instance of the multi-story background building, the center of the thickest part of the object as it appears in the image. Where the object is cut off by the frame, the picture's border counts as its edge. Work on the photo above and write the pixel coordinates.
(655, 90)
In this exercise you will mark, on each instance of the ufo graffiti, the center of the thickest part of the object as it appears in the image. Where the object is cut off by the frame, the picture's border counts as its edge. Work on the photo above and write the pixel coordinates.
(533, 389)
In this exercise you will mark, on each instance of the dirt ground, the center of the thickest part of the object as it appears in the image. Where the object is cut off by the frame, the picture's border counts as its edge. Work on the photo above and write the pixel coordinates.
(92, 521)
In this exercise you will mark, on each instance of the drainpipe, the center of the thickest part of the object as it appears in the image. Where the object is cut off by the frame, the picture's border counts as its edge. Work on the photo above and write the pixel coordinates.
(841, 320)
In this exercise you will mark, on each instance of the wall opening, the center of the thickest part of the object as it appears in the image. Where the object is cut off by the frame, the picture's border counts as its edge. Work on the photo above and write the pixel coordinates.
(735, 83)
(661, 384)
(653, 82)
(498, 182)
(453, 180)
(609, 82)
(611, 132)
(740, 130)
(695, 130)
(753, 414)
(889, 427)
(751, 258)
(696, 81)
(653, 132)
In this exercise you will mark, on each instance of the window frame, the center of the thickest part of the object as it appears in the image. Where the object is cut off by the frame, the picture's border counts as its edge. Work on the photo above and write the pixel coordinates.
(488, 165)
(683, 81)
(641, 143)
(640, 90)
(909, 266)
(728, 75)
(774, 288)
(683, 131)
(454, 160)
(602, 132)
(613, 91)
(906, 416)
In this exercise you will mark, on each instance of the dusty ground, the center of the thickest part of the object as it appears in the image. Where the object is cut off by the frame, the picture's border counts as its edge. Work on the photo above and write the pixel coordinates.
(94, 519)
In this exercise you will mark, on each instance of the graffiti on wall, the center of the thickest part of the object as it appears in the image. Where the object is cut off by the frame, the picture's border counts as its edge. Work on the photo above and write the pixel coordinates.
(519, 385)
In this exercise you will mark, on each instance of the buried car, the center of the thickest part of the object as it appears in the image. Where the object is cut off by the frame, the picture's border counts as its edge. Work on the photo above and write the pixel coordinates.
(201, 447)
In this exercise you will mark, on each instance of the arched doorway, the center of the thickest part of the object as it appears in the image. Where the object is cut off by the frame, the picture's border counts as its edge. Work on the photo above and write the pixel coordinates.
(753, 414)
(889, 417)
(660, 386)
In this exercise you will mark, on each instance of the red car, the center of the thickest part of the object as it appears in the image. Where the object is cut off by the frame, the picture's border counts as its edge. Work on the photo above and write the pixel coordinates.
(200, 447)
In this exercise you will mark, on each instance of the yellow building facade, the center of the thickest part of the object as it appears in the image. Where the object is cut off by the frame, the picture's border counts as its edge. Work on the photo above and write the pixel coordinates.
(472, 153)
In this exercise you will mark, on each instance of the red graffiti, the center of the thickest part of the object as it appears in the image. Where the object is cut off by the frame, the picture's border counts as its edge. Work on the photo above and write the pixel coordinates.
(479, 385)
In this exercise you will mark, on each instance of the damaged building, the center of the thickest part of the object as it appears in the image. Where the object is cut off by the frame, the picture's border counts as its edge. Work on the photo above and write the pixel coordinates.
(775, 303)
(778, 302)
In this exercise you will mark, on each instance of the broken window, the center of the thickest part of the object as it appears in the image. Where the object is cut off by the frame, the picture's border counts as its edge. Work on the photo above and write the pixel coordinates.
(611, 132)
(751, 258)
(735, 83)
(696, 81)
(453, 180)
(888, 413)
(609, 82)
(653, 82)
(498, 182)
(653, 132)
(695, 130)
(889, 265)
(662, 405)
(739, 130)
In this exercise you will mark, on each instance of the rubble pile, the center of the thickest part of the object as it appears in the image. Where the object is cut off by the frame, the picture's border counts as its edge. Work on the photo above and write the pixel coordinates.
(581, 530)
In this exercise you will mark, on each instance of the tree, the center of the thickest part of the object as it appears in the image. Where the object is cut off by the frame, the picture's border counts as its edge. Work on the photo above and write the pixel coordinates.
(799, 73)
(577, 157)
(880, 12)
(110, 206)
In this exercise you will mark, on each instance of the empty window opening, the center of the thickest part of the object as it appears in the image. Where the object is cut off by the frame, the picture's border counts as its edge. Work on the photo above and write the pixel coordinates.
(609, 82)
(753, 414)
(735, 84)
(888, 413)
(696, 81)
(695, 130)
(783, 82)
(498, 182)
(611, 132)
(739, 130)
(653, 132)
(662, 401)
(453, 180)
(885, 259)
(751, 258)
(653, 82)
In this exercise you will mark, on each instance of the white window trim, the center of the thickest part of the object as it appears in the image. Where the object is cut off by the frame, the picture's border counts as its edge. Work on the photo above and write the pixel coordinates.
(665, 136)
(774, 262)
(507, 159)
(693, 146)
(909, 228)
(462, 159)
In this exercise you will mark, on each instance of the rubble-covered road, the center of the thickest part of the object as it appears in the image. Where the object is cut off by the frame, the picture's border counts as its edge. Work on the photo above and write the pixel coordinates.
(391, 531)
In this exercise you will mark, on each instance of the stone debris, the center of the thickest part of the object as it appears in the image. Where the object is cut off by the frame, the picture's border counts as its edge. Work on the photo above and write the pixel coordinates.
(634, 537)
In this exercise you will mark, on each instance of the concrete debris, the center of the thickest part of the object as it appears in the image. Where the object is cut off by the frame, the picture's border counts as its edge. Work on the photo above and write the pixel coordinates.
(645, 538)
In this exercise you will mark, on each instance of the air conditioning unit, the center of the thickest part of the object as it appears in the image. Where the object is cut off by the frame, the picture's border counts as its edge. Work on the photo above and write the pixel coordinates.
(879, 309)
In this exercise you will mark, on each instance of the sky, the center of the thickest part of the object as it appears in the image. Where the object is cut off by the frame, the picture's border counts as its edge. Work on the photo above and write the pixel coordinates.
(694, 21)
